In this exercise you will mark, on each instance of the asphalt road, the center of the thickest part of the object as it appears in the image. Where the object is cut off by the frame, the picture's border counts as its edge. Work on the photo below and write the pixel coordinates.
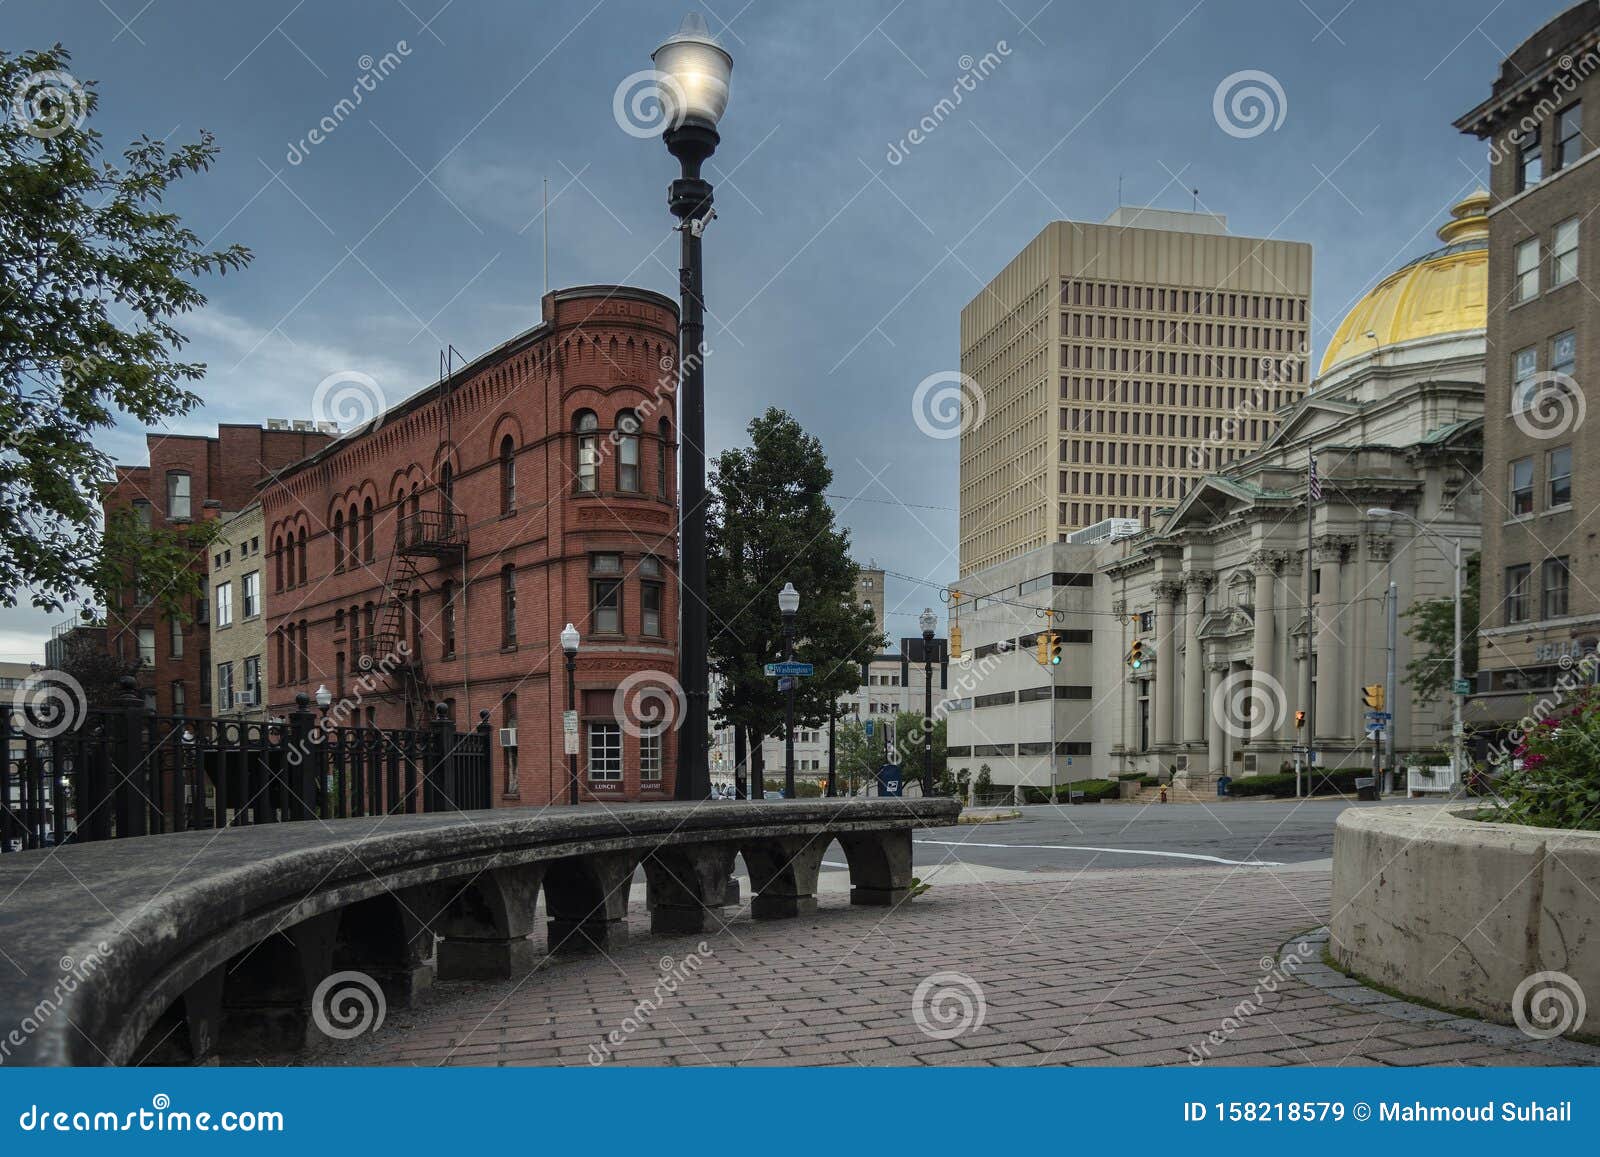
(1062, 838)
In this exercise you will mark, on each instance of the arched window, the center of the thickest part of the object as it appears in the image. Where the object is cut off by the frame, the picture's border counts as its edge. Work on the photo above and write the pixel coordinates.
(508, 475)
(367, 536)
(627, 437)
(338, 540)
(447, 488)
(277, 563)
(305, 651)
(286, 659)
(352, 550)
(588, 464)
(300, 552)
(277, 665)
(664, 461)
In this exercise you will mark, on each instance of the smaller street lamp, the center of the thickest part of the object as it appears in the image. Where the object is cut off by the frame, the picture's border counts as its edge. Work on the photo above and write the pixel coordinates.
(789, 606)
(928, 621)
(569, 647)
(324, 697)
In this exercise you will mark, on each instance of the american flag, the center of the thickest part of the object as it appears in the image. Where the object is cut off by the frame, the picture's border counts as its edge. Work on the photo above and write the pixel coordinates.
(1313, 483)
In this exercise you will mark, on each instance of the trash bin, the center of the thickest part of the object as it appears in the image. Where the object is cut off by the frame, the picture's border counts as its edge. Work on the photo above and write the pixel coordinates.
(1366, 787)
(1223, 782)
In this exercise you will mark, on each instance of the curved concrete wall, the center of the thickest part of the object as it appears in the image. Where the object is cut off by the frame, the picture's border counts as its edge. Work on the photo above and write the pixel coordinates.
(1437, 905)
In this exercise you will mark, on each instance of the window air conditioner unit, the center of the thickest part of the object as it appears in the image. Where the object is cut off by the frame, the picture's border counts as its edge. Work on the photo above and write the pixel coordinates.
(244, 699)
(508, 737)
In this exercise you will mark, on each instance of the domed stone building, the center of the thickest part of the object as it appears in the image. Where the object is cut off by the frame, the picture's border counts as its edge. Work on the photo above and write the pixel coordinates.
(1233, 670)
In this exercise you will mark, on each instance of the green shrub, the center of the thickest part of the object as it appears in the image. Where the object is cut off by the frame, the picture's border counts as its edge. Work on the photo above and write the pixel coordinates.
(1130, 775)
(1149, 781)
(1558, 782)
(1312, 783)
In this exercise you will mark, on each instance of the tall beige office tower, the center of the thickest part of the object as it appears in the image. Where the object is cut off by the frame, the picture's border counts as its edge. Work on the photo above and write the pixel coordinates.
(1116, 364)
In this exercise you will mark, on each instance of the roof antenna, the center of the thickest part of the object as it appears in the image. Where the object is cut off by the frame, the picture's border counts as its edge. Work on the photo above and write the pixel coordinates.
(1194, 200)
(1119, 190)
(546, 216)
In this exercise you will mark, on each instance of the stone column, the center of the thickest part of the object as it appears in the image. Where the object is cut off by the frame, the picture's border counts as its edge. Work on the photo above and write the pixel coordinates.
(1264, 659)
(1330, 649)
(1216, 738)
(1168, 596)
(1194, 733)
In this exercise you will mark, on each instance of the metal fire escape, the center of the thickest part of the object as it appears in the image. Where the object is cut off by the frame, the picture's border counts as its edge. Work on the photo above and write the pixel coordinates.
(439, 534)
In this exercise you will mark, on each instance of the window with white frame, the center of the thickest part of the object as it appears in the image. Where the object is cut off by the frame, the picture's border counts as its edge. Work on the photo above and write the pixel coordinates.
(224, 604)
(1521, 487)
(224, 689)
(1564, 253)
(147, 646)
(650, 756)
(1524, 364)
(1527, 257)
(1558, 472)
(250, 592)
(605, 752)
(175, 636)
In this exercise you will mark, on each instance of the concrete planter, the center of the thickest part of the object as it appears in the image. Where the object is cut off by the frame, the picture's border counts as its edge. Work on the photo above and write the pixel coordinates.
(1439, 906)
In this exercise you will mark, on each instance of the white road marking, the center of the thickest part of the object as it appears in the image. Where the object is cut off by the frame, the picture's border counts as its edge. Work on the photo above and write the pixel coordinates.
(1113, 851)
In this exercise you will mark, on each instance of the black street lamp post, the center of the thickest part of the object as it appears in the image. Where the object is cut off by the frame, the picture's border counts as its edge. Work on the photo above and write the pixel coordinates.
(693, 89)
(569, 646)
(789, 605)
(928, 622)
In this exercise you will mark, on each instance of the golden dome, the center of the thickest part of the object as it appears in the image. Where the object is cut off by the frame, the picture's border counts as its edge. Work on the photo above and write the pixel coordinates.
(1442, 292)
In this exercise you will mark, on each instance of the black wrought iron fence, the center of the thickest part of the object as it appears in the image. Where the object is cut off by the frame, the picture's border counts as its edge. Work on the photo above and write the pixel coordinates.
(128, 772)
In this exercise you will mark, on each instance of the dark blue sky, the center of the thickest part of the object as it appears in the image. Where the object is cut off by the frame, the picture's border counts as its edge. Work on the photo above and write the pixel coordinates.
(835, 278)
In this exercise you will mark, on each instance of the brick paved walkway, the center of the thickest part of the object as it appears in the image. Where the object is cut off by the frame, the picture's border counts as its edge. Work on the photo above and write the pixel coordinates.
(1098, 968)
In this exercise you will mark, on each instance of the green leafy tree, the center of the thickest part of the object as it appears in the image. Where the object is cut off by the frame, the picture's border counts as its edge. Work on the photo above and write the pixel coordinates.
(1430, 626)
(97, 670)
(95, 270)
(768, 523)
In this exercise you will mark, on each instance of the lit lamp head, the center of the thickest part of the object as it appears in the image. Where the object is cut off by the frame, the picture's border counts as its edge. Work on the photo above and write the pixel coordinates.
(788, 600)
(929, 622)
(324, 696)
(694, 72)
(1382, 513)
(569, 639)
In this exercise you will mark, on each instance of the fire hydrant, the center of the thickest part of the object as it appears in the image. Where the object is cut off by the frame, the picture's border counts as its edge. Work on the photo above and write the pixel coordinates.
(1163, 793)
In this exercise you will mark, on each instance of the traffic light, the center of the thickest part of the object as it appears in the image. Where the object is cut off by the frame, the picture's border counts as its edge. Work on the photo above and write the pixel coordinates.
(955, 640)
(1055, 649)
(1041, 648)
(1299, 720)
(1136, 654)
(1372, 693)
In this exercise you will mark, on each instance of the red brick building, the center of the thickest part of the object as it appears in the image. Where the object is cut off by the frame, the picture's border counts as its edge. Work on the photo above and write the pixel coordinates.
(434, 556)
(190, 478)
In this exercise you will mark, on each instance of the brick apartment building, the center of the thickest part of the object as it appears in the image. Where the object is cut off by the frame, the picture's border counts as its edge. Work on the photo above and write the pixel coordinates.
(1542, 466)
(190, 478)
(434, 556)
